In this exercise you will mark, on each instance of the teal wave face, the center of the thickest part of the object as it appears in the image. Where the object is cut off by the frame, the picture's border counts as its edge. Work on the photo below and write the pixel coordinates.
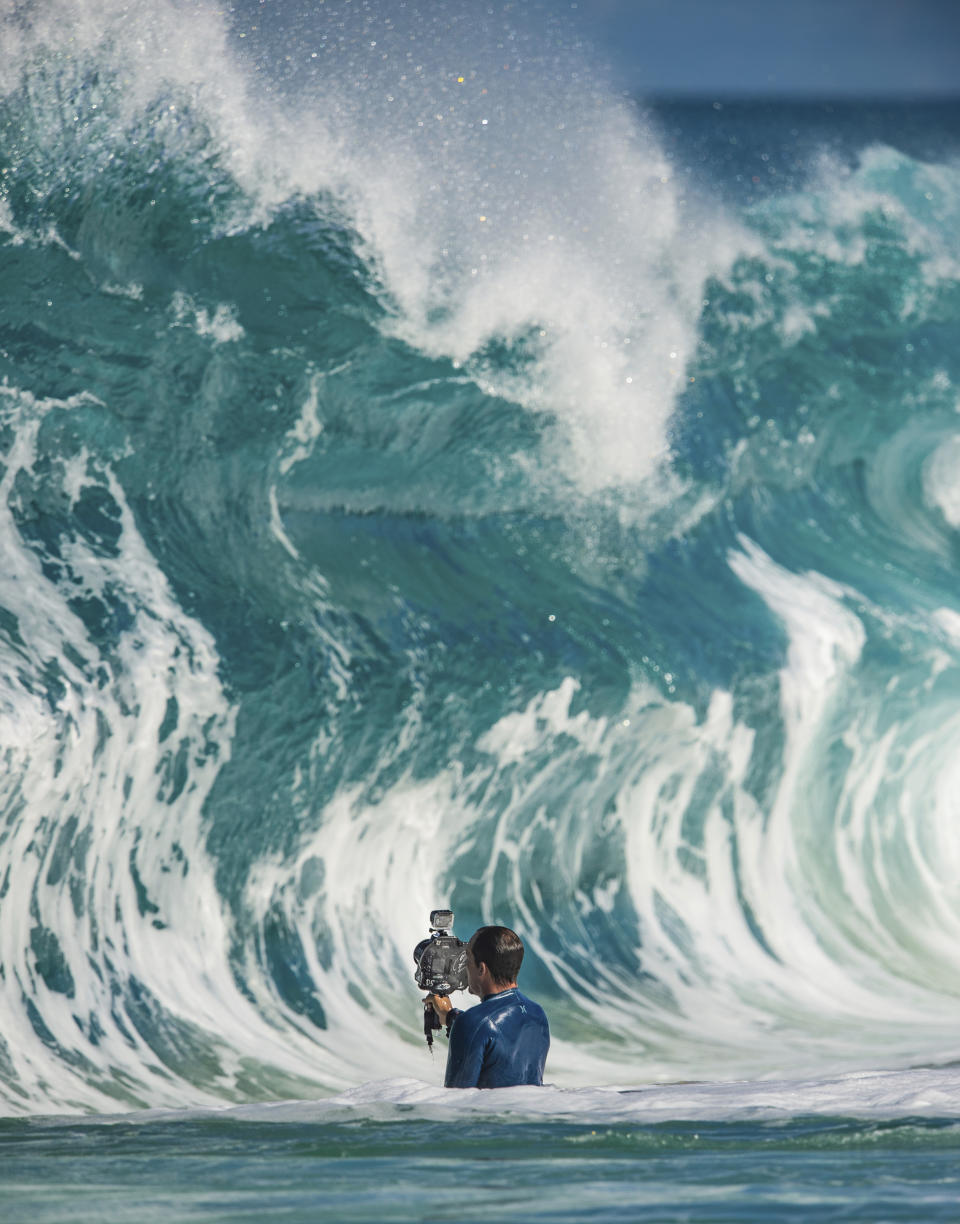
(586, 566)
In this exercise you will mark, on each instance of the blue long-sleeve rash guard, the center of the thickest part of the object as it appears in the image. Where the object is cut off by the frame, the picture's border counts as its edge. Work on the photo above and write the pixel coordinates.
(500, 1043)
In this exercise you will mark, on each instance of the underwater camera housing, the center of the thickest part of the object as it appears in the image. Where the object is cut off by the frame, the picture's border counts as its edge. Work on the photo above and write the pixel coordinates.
(441, 959)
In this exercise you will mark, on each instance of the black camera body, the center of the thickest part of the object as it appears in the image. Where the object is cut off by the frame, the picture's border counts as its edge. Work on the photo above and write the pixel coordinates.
(441, 959)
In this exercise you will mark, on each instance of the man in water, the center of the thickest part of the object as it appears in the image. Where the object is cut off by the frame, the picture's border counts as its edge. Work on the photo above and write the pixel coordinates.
(503, 1041)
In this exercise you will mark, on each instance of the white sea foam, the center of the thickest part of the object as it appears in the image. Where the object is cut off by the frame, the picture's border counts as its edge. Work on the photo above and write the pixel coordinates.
(221, 325)
(941, 481)
(104, 787)
(867, 1095)
(367, 878)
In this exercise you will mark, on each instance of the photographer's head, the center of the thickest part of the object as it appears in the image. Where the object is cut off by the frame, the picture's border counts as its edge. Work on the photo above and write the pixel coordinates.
(494, 956)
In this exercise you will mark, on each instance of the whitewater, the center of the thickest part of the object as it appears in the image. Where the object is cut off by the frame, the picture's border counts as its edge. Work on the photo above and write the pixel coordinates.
(431, 477)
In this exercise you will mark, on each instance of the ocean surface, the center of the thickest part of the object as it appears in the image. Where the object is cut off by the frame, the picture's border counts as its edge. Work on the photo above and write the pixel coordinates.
(430, 477)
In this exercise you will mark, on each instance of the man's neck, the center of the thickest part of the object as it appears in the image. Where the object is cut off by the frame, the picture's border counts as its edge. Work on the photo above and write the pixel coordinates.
(494, 989)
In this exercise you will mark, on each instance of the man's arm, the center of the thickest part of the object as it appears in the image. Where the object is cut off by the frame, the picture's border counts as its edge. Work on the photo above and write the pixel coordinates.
(468, 1045)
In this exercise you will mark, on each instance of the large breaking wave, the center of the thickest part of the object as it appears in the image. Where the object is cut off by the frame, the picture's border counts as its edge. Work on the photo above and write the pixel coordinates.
(417, 488)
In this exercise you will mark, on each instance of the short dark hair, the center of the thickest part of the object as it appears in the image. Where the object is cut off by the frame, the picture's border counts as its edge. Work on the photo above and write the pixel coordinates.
(501, 950)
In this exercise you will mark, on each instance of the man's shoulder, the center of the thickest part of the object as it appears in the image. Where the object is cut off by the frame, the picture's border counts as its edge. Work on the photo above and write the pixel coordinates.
(477, 1016)
(529, 1007)
(485, 1012)
(490, 1009)
(526, 1002)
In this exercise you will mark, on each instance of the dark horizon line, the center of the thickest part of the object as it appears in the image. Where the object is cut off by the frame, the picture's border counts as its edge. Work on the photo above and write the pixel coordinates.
(721, 97)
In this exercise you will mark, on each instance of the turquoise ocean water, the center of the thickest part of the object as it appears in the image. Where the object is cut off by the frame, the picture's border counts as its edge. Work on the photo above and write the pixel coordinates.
(429, 476)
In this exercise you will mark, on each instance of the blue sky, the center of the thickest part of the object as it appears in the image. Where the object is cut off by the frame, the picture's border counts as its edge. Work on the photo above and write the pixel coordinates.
(821, 47)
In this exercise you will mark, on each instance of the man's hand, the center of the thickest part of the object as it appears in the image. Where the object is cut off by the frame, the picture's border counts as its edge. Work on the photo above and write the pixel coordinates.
(441, 1005)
